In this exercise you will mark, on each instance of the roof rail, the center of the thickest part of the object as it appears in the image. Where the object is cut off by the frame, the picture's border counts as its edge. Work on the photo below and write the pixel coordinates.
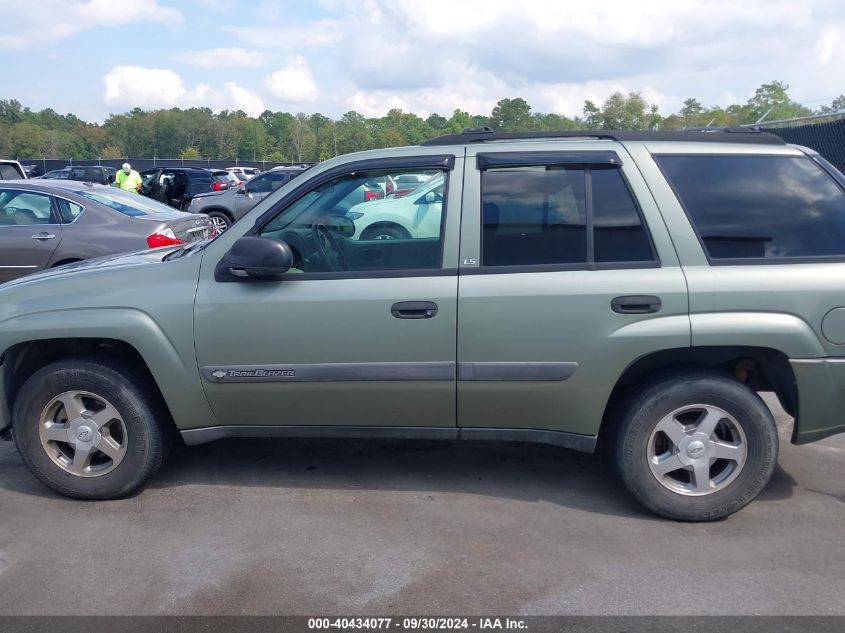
(706, 135)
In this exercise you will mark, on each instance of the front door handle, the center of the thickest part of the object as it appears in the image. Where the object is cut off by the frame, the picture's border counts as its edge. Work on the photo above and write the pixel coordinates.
(414, 309)
(43, 236)
(636, 304)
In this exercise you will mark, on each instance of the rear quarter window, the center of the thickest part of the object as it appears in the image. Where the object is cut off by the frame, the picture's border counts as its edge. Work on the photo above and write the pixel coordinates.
(759, 208)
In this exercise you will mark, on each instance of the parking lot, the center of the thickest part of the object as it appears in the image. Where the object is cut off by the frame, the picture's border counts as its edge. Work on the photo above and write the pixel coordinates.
(306, 526)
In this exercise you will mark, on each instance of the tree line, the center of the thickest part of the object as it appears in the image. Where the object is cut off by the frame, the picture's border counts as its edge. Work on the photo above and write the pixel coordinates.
(199, 133)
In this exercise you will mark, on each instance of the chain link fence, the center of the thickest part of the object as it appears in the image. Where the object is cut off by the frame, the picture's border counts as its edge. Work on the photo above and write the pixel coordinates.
(824, 133)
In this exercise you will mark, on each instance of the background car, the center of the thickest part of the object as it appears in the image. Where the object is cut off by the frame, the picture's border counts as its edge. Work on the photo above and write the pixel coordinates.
(92, 173)
(412, 216)
(244, 173)
(33, 171)
(47, 223)
(11, 170)
(56, 174)
(176, 186)
(229, 206)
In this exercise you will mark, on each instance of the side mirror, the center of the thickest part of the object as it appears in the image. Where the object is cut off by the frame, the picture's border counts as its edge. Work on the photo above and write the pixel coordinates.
(258, 258)
(430, 197)
(241, 191)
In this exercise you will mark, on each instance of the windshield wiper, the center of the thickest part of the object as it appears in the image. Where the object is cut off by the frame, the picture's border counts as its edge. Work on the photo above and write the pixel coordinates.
(186, 249)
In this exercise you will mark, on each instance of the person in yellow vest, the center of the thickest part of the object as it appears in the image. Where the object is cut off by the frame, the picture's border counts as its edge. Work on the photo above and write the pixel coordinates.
(128, 179)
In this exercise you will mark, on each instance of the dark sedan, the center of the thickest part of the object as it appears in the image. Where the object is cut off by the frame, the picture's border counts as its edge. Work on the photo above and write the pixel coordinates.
(47, 223)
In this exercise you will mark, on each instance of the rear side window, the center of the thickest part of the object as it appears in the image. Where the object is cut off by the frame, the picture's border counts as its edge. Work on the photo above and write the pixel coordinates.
(770, 208)
(547, 215)
(69, 210)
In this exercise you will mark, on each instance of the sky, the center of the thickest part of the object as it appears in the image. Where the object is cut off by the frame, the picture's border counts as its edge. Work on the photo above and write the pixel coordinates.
(96, 57)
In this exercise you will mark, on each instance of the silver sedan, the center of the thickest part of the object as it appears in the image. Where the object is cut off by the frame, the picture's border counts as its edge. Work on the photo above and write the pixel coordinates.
(46, 223)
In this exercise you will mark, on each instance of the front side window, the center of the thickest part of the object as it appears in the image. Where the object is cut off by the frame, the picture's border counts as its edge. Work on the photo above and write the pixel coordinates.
(348, 224)
(8, 172)
(24, 208)
(769, 208)
(545, 215)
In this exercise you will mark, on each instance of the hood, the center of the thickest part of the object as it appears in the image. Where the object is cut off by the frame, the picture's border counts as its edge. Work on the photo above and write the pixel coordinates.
(125, 260)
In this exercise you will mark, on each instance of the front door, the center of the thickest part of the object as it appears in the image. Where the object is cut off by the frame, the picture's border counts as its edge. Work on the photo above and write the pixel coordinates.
(566, 278)
(359, 333)
(29, 233)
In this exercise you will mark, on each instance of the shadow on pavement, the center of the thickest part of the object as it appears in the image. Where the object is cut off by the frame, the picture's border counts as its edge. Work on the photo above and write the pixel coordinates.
(526, 472)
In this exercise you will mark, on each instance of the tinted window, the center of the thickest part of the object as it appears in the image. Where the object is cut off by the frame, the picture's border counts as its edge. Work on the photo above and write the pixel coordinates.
(267, 182)
(9, 172)
(533, 215)
(759, 206)
(125, 202)
(345, 225)
(619, 234)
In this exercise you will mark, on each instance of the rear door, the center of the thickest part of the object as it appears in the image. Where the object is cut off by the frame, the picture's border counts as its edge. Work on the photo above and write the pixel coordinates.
(29, 232)
(567, 275)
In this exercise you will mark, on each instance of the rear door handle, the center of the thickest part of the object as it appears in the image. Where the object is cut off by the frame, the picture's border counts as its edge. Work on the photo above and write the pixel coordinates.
(414, 309)
(43, 236)
(636, 304)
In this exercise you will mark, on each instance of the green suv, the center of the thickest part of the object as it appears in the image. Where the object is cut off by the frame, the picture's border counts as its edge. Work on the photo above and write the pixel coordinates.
(629, 290)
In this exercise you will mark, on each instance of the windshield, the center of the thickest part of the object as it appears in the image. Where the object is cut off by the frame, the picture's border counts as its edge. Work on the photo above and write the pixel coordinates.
(127, 203)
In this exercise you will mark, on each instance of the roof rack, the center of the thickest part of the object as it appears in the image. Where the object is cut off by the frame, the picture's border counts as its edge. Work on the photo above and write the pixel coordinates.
(705, 135)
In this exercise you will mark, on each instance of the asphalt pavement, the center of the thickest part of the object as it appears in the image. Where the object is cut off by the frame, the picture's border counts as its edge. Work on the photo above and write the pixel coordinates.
(379, 528)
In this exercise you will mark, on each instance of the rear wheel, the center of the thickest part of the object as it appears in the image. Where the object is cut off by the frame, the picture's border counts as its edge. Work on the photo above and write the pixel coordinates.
(696, 447)
(89, 430)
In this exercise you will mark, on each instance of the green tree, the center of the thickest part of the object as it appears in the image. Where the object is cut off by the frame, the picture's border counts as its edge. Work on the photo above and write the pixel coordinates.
(190, 153)
(772, 101)
(511, 115)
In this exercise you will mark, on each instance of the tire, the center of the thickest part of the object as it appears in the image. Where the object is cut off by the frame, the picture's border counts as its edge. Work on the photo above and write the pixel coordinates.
(385, 232)
(666, 426)
(122, 454)
(219, 220)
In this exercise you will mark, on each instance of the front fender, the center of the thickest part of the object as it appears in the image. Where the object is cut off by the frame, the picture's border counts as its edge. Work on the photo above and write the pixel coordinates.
(174, 369)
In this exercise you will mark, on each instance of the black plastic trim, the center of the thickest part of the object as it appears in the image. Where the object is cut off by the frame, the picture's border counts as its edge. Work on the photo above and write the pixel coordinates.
(222, 275)
(516, 371)
(493, 160)
(719, 135)
(574, 441)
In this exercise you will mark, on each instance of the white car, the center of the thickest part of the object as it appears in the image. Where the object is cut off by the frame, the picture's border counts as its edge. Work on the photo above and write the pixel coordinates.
(243, 173)
(413, 216)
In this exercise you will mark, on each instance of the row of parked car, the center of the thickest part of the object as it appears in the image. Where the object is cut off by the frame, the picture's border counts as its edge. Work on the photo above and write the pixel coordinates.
(56, 220)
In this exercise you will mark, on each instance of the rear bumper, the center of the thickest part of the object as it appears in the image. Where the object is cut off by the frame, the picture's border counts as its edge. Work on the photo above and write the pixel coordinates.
(821, 398)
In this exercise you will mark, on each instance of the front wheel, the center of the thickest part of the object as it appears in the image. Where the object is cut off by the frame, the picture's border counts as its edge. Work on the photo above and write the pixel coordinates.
(89, 430)
(696, 447)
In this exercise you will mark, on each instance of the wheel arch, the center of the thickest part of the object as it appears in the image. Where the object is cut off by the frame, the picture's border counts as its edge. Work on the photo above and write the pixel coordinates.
(760, 368)
(128, 336)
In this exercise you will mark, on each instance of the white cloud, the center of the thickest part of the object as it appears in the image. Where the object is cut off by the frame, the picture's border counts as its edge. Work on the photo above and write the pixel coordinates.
(28, 24)
(293, 37)
(293, 83)
(135, 86)
(243, 99)
(232, 57)
(828, 44)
